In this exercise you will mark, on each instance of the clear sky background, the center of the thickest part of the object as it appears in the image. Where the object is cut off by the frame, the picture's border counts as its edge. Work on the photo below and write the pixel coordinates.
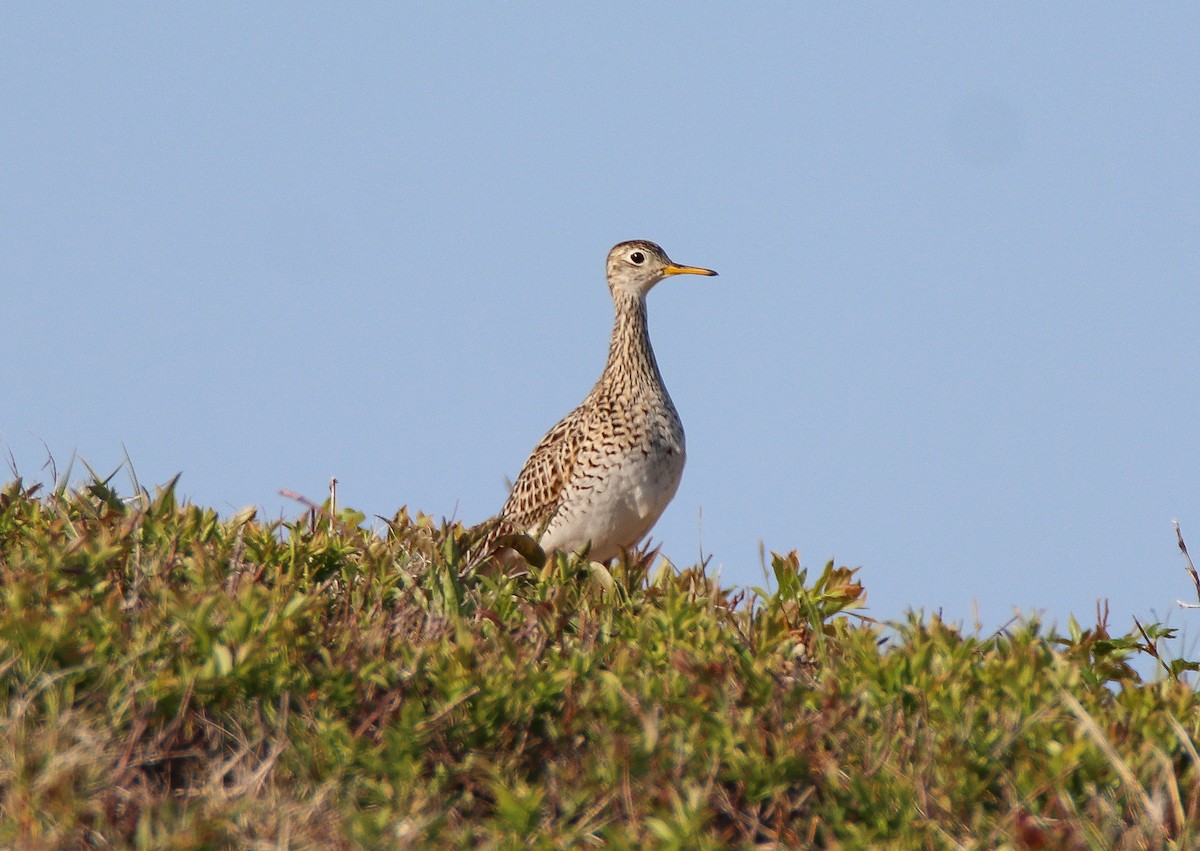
(955, 337)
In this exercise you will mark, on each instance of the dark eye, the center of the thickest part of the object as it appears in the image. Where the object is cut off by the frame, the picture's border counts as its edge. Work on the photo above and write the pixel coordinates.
(638, 258)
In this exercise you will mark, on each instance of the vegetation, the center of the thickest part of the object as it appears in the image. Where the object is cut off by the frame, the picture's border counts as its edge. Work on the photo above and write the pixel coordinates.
(173, 679)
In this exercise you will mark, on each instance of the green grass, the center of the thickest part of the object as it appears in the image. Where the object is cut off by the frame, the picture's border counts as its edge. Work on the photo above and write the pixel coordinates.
(172, 678)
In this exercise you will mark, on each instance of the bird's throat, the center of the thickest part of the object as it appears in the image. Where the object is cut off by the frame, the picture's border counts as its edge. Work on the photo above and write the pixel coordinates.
(630, 358)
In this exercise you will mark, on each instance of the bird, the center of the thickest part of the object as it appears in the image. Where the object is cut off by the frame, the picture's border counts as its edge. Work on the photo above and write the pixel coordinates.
(603, 475)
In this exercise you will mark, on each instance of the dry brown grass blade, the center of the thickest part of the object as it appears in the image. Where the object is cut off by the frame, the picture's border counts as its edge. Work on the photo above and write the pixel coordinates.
(1089, 725)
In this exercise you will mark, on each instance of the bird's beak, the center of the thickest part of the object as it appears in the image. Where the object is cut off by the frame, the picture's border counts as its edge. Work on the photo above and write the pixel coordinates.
(672, 269)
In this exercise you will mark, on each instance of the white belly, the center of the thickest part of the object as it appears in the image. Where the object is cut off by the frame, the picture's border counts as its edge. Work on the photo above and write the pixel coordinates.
(617, 504)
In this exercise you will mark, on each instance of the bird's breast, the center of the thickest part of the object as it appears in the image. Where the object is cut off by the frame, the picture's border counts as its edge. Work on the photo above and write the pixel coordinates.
(619, 496)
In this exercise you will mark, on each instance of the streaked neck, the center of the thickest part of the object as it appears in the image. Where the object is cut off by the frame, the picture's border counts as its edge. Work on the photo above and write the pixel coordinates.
(630, 358)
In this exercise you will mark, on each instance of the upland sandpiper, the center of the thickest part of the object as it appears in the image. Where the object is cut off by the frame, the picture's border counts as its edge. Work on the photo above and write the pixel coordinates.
(602, 477)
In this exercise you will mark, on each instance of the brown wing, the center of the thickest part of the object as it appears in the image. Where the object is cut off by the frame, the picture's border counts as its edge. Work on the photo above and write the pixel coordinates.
(538, 491)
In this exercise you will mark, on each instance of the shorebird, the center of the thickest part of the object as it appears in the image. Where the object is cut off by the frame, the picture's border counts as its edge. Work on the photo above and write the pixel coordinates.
(602, 477)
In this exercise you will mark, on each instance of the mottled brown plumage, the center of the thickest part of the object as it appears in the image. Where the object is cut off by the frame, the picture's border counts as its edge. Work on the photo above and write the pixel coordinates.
(604, 474)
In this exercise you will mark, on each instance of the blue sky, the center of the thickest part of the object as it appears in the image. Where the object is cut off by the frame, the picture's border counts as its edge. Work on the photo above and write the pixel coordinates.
(954, 339)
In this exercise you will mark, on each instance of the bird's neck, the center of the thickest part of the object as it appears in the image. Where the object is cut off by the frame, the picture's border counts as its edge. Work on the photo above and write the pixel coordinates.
(630, 359)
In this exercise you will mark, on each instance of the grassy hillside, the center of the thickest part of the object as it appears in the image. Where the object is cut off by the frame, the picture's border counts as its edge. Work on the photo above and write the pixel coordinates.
(171, 678)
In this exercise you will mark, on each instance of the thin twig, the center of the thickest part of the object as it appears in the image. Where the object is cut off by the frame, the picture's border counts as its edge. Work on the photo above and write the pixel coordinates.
(1151, 646)
(1191, 568)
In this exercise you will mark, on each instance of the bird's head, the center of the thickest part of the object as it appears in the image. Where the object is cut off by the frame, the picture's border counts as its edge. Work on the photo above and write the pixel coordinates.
(634, 267)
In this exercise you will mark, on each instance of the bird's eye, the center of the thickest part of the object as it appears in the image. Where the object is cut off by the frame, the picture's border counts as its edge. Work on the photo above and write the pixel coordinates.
(637, 258)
